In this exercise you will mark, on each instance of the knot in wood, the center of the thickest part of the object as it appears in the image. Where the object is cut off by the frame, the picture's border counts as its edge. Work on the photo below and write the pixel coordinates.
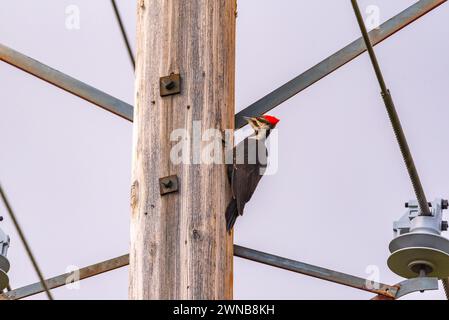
(134, 194)
(196, 234)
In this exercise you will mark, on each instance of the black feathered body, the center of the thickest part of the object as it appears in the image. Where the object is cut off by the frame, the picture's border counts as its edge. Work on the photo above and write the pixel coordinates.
(250, 161)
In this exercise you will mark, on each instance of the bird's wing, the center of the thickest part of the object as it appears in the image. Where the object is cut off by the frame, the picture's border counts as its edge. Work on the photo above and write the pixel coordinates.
(245, 179)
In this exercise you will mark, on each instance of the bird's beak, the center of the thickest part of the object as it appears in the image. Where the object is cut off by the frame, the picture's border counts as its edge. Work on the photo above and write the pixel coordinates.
(248, 119)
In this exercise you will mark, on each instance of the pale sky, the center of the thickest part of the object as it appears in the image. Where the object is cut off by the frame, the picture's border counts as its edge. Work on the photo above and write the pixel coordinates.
(341, 183)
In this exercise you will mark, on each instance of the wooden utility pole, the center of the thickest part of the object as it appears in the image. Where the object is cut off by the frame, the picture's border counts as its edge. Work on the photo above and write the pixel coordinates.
(179, 245)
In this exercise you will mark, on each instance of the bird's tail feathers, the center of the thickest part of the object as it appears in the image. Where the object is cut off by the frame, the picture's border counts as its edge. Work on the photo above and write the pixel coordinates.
(231, 215)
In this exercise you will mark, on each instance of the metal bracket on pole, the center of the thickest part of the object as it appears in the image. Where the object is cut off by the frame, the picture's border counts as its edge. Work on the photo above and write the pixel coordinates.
(168, 184)
(170, 85)
(416, 284)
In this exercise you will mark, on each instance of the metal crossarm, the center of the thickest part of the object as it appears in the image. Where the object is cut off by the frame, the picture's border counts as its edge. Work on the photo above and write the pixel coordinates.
(335, 61)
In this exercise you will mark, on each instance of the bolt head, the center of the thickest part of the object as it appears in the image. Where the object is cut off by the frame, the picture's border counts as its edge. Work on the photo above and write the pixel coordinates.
(444, 204)
(169, 84)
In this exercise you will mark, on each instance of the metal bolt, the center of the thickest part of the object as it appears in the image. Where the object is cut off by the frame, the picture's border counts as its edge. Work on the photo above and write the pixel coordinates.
(428, 203)
(168, 84)
(168, 184)
(444, 204)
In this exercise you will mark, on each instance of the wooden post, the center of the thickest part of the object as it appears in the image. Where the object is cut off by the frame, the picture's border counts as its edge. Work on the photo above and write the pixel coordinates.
(179, 245)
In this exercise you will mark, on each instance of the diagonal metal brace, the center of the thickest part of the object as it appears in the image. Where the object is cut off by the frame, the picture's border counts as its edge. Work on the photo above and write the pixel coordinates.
(65, 82)
(316, 272)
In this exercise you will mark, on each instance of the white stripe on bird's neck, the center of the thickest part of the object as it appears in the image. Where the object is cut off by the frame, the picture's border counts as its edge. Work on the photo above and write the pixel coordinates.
(259, 134)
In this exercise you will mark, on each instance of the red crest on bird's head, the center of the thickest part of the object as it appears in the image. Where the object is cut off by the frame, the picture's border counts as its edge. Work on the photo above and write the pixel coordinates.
(272, 120)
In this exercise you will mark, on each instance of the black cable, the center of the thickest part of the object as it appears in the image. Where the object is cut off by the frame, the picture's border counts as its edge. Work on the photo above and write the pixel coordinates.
(394, 119)
(125, 37)
(25, 243)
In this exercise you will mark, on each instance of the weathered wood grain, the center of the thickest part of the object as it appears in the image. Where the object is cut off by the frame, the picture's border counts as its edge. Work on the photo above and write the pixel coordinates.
(179, 245)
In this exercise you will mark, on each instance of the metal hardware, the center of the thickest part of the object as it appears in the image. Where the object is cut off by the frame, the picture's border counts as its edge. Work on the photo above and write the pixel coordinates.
(168, 184)
(444, 225)
(408, 286)
(418, 247)
(417, 284)
(4, 263)
(444, 204)
(170, 85)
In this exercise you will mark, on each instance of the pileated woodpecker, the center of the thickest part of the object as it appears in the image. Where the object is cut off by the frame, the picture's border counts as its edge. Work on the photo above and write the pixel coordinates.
(249, 162)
